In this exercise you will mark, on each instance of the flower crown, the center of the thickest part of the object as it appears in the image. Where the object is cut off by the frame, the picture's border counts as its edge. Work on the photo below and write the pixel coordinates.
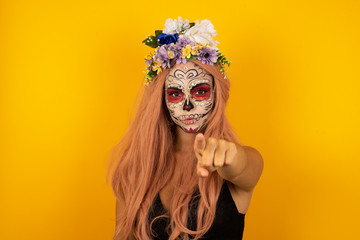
(182, 41)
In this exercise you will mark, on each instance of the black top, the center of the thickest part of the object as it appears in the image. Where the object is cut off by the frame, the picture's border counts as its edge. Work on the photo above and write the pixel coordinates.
(228, 223)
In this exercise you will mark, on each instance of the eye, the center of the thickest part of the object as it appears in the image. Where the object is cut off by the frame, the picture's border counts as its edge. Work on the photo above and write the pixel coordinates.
(174, 95)
(200, 92)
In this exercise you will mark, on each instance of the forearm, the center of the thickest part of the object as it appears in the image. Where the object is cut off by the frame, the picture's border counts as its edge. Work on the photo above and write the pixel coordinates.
(246, 168)
(237, 166)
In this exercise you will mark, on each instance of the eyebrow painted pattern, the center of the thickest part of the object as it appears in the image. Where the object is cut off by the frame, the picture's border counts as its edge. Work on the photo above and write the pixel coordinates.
(190, 74)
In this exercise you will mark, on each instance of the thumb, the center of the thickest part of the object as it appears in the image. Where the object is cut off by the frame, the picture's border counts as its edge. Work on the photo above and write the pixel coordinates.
(200, 143)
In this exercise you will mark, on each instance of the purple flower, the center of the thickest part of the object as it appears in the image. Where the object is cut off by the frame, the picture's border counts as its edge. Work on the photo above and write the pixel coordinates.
(183, 41)
(162, 56)
(177, 50)
(181, 60)
(149, 61)
(207, 55)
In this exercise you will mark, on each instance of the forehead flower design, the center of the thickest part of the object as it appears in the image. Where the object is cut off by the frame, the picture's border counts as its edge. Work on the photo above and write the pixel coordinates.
(181, 41)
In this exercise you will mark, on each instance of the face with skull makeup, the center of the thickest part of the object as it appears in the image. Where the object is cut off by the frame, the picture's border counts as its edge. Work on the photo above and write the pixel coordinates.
(189, 96)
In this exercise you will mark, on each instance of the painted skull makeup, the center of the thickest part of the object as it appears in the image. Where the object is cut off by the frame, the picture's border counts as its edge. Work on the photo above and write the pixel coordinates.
(189, 96)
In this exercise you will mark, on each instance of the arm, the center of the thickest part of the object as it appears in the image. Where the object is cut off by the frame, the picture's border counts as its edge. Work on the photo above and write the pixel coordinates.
(240, 165)
(246, 169)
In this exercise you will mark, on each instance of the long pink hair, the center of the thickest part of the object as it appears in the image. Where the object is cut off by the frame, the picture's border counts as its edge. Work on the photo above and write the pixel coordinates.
(143, 162)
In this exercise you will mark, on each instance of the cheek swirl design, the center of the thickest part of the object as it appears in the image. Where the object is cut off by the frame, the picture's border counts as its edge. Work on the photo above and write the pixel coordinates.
(207, 107)
(204, 104)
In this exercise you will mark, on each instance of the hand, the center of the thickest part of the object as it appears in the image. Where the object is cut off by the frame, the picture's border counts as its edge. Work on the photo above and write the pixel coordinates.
(213, 154)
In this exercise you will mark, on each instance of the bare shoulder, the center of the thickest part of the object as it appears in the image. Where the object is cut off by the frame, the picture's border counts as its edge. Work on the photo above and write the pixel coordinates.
(241, 197)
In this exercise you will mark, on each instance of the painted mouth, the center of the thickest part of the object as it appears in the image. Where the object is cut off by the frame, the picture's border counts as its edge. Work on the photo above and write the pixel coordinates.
(190, 130)
(190, 119)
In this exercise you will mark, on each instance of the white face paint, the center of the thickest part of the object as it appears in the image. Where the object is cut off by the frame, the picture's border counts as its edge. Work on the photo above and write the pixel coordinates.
(189, 96)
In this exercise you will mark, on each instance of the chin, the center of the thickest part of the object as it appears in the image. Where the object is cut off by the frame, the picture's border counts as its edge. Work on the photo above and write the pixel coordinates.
(193, 128)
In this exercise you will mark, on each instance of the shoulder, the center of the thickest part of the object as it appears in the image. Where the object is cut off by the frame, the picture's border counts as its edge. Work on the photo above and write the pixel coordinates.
(241, 197)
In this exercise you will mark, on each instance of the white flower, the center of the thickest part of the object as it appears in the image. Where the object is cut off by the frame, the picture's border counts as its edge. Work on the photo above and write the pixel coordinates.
(203, 33)
(175, 26)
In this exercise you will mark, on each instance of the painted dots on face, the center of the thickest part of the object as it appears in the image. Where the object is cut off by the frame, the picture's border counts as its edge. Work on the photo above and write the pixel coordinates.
(174, 95)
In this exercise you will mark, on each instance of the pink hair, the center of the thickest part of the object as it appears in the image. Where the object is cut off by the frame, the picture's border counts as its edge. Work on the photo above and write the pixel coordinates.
(144, 162)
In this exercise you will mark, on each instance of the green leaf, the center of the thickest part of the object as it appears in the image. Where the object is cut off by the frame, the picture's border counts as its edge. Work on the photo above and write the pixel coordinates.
(192, 24)
(193, 57)
(152, 73)
(151, 42)
(158, 32)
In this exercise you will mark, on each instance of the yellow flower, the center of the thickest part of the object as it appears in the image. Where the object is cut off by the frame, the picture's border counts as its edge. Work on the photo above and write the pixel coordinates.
(186, 52)
(200, 46)
(171, 54)
(194, 50)
(156, 66)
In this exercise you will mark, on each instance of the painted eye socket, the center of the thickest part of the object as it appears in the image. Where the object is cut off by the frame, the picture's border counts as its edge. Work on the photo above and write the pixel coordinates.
(174, 95)
(201, 92)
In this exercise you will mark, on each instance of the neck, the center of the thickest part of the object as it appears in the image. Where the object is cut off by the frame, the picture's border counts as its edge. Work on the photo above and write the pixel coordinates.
(184, 141)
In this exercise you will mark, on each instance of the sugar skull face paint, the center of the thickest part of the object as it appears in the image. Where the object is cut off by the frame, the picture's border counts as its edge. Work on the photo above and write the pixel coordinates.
(189, 96)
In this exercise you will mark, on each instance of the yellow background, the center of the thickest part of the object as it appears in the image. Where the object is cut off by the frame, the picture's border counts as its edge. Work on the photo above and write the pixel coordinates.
(69, 74)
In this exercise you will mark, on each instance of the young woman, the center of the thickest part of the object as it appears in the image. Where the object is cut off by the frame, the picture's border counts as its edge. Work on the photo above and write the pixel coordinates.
(180, 172)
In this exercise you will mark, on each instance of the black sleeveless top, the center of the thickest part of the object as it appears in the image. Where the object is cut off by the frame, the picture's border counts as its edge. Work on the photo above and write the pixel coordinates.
(228, 223)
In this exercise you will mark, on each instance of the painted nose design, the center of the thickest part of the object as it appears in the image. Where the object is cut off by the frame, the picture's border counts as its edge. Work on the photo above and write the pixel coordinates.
(188, 105)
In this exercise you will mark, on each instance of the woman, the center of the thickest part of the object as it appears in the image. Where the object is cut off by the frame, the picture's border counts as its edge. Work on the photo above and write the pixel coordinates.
(180, 170)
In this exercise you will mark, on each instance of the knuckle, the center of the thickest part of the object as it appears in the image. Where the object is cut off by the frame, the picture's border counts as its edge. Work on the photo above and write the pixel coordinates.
(222, 142)
(233, 146)
(212, 141)
(205, 164)
(229, 161)
(218, 164)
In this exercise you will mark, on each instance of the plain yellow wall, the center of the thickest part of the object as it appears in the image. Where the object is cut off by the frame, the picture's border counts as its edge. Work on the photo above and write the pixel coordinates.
(69, 74)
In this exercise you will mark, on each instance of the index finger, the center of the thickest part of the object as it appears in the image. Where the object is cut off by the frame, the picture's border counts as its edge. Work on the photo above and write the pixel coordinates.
(199, 143)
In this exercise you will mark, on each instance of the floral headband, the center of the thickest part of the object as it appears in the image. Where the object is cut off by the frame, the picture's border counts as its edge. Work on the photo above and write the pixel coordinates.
(182, 41)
